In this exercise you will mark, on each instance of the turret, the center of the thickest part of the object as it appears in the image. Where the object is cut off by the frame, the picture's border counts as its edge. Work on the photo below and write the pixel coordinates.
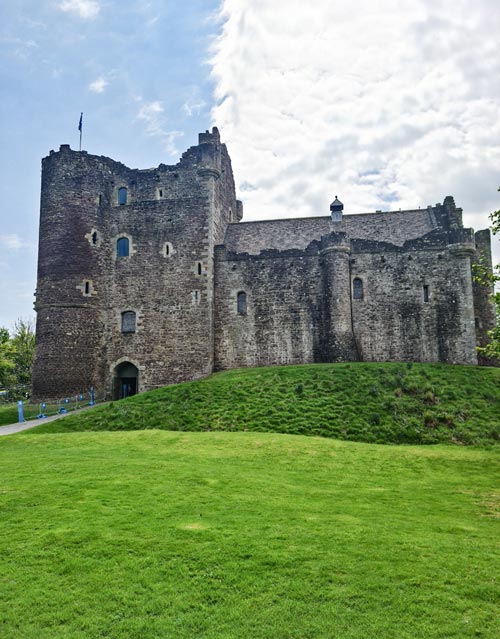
(338, 344)
(336, 209)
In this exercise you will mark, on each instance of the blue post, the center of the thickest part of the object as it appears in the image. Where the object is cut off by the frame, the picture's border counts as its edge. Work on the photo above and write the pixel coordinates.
(20, 411)
(42, 415)
(92, 400)
(62, 409)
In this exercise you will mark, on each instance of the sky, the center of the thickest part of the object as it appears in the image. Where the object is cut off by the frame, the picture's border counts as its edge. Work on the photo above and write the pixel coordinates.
(388, 104)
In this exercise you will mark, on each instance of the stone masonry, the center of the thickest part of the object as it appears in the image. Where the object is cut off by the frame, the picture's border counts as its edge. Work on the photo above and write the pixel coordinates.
(149, 277)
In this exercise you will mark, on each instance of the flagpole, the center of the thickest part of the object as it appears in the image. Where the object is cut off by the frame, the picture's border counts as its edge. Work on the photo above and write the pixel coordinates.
(80, 127)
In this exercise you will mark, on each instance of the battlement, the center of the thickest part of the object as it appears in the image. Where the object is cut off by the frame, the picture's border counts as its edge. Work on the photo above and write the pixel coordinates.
(209, 138)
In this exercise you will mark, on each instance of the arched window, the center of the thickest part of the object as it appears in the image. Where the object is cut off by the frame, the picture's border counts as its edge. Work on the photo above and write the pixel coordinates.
(128, 322)
(122, 247)
(122, 195)
(199, 268)
(94, 237)
(242, 303)
(357, 289)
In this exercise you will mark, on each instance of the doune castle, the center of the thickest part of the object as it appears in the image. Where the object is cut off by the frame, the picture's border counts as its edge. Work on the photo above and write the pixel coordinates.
(149, 277)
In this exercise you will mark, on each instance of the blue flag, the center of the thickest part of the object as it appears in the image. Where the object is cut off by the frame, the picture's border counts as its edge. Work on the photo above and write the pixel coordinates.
(80, 123)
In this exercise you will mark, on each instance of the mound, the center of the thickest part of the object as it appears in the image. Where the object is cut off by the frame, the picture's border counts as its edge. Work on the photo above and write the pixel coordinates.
(382, 403)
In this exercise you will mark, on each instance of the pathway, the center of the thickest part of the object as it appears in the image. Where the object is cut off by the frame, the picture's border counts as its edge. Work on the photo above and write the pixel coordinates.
(17, 428)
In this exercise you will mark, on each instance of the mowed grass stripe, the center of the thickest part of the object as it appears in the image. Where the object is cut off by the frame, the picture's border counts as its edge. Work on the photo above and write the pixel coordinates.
(225, 535)
(380, 403)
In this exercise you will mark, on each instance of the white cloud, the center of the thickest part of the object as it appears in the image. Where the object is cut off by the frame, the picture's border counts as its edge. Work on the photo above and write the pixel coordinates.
(19, 47)
(98, 86)
(152, 114)
(193, 106)
(391, 105)
(86, 9)
(12, 242)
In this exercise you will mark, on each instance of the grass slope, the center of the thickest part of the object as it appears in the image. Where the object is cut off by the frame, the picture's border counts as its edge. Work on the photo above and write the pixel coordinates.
(382, 403)
(142, 535)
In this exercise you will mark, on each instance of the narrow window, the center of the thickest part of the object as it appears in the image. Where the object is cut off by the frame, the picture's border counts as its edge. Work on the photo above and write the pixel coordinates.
(242, 303)
(167, 249)
(199, 268)
(195, 298)
(87, 288)
(357, 288)
(100, 199)
(122, 247)
(94, 237)
(426, 293)
(122, 195)
(161, 192)
(128, 322)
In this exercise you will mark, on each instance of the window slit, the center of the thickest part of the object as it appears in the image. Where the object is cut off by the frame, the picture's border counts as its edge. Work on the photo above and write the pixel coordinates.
(241, 302)
(357, 288)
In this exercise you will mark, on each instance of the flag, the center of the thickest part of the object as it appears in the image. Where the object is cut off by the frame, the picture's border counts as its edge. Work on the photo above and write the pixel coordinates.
(80, 124)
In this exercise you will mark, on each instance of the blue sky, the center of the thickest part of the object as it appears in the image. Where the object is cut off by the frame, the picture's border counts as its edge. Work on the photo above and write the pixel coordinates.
(389, 104)
(138, 70)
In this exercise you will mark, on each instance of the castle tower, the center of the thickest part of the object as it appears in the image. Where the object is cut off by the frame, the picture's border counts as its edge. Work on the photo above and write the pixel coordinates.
(69, 288)
(125, 275)
(338, 343)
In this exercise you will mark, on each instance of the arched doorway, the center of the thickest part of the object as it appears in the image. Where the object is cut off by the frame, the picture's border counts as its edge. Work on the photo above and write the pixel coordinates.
(125, 380)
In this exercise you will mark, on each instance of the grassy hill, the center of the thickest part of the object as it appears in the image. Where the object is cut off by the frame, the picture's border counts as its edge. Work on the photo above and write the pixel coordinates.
(140, 535)
(382, 403)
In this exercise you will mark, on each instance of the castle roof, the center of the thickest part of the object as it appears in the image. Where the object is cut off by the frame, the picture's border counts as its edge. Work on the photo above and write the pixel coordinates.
(297, 233)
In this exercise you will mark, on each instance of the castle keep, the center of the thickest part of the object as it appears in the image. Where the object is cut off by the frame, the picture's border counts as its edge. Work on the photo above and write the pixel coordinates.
(149, 277)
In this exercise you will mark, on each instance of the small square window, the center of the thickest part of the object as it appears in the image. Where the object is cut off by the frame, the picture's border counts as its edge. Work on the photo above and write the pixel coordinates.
(128, 322)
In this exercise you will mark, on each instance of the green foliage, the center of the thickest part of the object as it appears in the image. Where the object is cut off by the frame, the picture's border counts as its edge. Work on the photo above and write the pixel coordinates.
(16, 354)
(6, 363)
(383, 403)
(148, 535)
(23, 350)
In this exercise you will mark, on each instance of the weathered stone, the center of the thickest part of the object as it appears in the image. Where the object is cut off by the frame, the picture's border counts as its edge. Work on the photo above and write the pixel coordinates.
(189, 257)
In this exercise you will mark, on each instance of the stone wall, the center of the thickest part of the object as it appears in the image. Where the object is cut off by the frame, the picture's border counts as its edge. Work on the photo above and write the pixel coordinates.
(484, 310)
(189, 258)
(416, 305)
(281, 324)
(416, 302)
(172, 217)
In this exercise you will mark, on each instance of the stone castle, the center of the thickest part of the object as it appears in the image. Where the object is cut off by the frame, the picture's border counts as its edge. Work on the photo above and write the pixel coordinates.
(149, 277)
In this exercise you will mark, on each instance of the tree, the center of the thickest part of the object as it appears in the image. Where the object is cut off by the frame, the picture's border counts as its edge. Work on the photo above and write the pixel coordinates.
(16, 354)
(487, 277)
(6, 363)
(23, 350)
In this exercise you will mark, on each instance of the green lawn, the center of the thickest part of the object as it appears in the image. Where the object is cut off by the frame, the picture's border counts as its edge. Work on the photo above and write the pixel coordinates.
(147, 535)
(382, 403)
